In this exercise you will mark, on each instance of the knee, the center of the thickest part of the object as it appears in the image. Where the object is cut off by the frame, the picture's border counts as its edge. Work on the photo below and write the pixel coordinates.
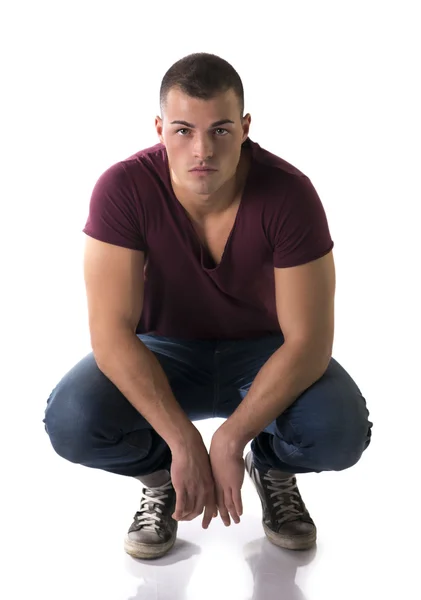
(339, 447)
(67, 425)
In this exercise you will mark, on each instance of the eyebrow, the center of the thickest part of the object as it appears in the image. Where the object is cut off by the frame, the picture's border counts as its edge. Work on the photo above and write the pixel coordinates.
(216, 124)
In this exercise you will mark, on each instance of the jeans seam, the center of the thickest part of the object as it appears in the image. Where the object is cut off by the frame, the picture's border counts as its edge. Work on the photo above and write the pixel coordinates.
(296, 434)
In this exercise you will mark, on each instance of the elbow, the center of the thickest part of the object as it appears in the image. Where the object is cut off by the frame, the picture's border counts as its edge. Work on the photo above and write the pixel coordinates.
(106, 346)
(317, 356)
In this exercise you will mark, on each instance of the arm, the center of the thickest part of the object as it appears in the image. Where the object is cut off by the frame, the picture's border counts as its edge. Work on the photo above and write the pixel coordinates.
(305, 308)
(114, 281)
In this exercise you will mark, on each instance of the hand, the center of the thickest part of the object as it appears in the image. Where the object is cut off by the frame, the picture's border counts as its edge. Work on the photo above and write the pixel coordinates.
(193, 482)
(228, 472)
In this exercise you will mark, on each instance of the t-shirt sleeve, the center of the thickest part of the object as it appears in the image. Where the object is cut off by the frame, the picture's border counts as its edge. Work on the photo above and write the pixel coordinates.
(300, 231)
(115, 211)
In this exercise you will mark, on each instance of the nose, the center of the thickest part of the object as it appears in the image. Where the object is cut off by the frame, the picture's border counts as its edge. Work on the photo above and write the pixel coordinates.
(203, 149)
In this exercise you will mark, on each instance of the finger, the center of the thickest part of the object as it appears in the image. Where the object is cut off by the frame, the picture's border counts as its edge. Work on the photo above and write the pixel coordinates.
(236, 496)
(206, 498)
(190, 505)
(224, 515)
(222, 508)
(196, 510)
(180, 505)
(208, 516)
(211, 510)
(229, 503)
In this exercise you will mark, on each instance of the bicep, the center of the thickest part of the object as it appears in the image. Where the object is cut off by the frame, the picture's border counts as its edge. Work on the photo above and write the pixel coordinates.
(114, 282)
(305, 302)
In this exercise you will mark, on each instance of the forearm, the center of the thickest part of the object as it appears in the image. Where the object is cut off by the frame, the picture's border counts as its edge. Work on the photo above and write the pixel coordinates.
(281, 380)
(137, 373)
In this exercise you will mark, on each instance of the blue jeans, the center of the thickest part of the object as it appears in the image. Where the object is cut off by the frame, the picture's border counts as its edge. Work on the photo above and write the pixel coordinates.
(90, 422)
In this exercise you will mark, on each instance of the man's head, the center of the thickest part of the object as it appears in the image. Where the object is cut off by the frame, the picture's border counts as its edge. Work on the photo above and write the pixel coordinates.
(206, 94)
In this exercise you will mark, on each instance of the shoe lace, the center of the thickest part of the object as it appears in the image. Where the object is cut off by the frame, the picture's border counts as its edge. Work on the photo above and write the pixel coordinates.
(285, 494)
(150, 514)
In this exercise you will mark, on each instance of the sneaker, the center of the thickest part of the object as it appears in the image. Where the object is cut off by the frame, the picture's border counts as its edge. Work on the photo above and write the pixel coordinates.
(286, 521)
(153, 531)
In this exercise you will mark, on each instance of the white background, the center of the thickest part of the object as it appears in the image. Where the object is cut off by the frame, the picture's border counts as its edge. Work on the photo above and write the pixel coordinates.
(334, 89)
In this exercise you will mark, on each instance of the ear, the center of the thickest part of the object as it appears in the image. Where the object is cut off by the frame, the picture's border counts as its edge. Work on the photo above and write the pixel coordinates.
(159, 127)
(246, 126)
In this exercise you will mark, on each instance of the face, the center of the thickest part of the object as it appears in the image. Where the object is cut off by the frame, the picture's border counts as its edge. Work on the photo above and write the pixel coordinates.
(210, 136)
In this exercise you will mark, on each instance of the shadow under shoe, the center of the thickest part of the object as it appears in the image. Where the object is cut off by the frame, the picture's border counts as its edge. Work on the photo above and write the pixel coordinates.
(153, 531)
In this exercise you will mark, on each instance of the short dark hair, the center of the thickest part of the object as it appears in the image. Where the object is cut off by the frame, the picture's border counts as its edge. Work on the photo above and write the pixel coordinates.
(202, 75)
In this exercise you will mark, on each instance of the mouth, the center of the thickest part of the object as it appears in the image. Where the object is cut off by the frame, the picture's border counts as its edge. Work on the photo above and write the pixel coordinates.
(202, 172)
(202, 169)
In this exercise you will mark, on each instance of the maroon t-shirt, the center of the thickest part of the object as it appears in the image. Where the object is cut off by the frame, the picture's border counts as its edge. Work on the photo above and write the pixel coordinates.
(281, 222)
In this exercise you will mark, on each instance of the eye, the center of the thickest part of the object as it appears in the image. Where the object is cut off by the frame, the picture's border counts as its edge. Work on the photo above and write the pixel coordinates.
(217, 129)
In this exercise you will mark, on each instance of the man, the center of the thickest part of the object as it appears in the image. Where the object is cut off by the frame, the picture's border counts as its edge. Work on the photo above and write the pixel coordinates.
(210, 285)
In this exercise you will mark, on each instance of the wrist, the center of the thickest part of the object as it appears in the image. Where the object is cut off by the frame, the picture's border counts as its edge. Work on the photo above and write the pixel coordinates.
(187, 437)
(234, 440)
